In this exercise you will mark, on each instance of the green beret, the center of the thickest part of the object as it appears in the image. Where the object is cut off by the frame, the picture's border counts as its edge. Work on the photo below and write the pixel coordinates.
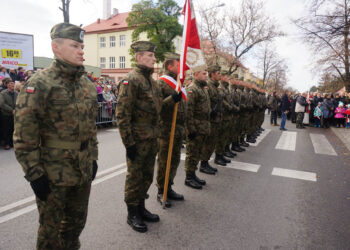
(141, 46)
(214, 68)
(171, 56)
(224, 72)
(68, 31)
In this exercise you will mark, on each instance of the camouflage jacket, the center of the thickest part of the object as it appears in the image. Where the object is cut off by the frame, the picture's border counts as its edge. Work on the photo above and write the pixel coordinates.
(226, 102)
(139, 106)
(249, 99)
(56, 107)
(166, 114)
(255, 100)
(242, 98)
(198, 108)
(215, 100)
(235, 99)
(7, 103)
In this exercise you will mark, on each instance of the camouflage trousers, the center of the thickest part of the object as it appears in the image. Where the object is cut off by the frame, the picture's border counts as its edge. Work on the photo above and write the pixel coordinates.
(139, 175)
(62, 217)
(194, 150)
(223, 138)
(300, 118)
(163, 157)
(245, 123)
(261, 117)
(210, 142)
(235, 129)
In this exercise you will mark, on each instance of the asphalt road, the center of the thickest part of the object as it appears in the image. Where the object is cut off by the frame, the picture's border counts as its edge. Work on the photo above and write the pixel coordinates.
(257, 202)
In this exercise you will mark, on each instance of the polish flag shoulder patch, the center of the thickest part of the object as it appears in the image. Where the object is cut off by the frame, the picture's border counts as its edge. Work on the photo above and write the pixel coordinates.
(206, 87)
(30, 90)
(125, 82)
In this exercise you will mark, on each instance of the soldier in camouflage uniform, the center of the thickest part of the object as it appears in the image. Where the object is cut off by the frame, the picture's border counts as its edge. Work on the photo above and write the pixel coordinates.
(238, 107)
(215, 123)
(197, 126)
(55, 140)
(250, 121)
(229, 117)
(171, 64)
(138, 108)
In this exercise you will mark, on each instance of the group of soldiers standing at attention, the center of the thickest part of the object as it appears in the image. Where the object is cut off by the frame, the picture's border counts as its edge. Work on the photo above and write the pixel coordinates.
(219, 114)
(55, 137)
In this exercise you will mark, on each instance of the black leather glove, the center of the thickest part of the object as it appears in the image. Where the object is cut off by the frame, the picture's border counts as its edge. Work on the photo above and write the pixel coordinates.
(94, 169)
(177, 96)
(191, 136)
(213, 114)
(41, 187)
(131, 152)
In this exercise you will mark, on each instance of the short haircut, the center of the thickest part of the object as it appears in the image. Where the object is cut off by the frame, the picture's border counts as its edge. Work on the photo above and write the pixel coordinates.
(58, 40)
(168, 62)
(141, 53)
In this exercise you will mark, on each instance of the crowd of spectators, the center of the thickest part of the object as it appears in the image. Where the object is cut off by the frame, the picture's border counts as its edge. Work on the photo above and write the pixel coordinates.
(321, 110)
(11, 82)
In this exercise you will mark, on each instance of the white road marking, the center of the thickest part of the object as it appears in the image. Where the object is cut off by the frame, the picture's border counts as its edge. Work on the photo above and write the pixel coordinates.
(261, 137)
(287, 141)
(109, 170)
(296, 174)
(17, 213)
(183, 157)
(322, 145)
(17, 204)
(243, 166)
(112, 130)
(30, 208)
(107, 177)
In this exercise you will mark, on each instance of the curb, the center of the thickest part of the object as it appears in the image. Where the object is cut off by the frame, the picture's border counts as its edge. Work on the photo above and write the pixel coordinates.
(343, 135)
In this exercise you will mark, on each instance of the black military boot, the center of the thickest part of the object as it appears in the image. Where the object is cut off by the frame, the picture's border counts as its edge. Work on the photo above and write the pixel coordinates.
(218, 160)
(250, 139)
(191, 181)
(235, 147)
(147, 215)
(211, 167)
(167, 202)
(243, 143)
(199, 181)
(228, 152)
(225, 159)
(262, 129)
(172, 195)
(135, 220)
(205, 169)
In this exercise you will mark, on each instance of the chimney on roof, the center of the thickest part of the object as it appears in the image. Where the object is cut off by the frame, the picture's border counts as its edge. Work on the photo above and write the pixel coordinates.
(106, 9)
(115, 11)
(98, 20)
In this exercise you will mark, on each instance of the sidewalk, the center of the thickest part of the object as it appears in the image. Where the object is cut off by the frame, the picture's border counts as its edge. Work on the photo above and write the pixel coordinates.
(343, 134)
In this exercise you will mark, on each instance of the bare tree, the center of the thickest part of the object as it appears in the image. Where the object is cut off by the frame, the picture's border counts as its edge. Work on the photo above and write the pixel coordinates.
(278, 78)
(326, 29)
(65, 10)
(247, 28)
(212, 24)
(268, 60)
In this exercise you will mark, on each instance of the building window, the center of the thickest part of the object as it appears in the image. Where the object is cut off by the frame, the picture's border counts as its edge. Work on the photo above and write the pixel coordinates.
(102, 42)
(122, 62)
(122, 41)
(102, 62)
(112, 62)
(112, 41)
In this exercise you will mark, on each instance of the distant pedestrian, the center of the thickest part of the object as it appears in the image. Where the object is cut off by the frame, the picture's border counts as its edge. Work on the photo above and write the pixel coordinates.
(300, 107)
(285, 108)
(328, 110)
(273, 106)
(339, 115)
(347, 117)
(318, 114)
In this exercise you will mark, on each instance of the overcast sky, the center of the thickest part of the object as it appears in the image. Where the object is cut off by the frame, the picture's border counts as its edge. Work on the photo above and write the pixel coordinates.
(38, 16)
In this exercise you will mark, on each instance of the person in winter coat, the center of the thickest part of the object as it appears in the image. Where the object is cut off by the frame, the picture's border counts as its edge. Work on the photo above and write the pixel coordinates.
(285, 108)
(339, 115)
(347, 117)
(318, 113)
(300, 110)
(328, 110)
(273, 105)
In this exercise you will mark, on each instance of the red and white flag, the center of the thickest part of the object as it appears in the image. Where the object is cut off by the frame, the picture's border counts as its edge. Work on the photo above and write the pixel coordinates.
(172, 83)
(191, 55)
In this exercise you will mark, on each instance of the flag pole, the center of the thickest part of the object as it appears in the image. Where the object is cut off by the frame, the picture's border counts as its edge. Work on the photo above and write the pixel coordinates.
(170, 151)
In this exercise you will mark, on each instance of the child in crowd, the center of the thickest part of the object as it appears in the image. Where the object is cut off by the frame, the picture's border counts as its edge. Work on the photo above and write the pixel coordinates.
(347, 117)
(318, 115)
(339, 114)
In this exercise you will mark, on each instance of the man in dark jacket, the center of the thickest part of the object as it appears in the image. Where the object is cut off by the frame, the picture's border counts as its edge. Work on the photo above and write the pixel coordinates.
(285, 108)
(7, 105)
(273, 105)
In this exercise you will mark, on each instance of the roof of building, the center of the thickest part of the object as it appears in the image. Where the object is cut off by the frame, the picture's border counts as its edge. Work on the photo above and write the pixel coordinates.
(114, 23)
